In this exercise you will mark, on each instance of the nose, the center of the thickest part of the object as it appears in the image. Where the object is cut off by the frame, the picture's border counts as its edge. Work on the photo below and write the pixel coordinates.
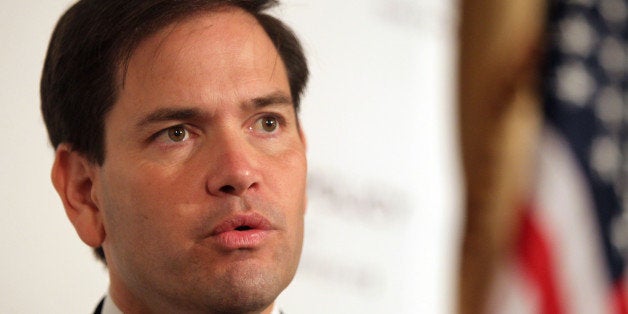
(234, 169)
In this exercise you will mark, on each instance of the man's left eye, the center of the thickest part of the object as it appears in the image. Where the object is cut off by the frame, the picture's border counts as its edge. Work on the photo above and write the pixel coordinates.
(267, 124)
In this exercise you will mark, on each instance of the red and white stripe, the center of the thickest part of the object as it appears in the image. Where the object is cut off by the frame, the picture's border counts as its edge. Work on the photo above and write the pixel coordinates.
(558, 265)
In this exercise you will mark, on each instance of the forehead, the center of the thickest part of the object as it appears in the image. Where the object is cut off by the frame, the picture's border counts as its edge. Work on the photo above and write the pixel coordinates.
(214, 42)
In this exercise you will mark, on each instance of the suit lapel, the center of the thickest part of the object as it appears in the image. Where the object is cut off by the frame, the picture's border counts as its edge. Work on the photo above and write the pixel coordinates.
(98, 309)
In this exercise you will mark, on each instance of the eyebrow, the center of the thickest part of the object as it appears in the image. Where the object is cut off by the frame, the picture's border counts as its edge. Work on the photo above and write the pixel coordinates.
(168, 114)
(276, 98)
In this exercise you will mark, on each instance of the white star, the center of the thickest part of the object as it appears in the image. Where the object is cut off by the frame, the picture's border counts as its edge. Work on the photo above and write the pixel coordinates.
(606, 159)
(574, 84)
(609, 107)
(577, 36)
(586, 3)
(613, 58)
(619, 233)
(614, 11)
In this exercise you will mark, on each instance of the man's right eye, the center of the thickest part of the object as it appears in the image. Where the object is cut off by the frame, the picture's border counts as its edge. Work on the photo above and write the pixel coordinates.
(174, 134)
(177, 133)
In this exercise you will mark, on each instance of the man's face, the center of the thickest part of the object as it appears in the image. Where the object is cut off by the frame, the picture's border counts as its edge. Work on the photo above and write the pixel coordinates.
(202, 190)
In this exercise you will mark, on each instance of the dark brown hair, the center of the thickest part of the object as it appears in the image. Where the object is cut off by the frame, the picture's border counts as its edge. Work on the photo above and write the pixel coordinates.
(93, 42)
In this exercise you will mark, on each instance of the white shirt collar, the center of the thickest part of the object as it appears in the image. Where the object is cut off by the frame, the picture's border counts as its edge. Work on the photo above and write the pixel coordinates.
(110, 307)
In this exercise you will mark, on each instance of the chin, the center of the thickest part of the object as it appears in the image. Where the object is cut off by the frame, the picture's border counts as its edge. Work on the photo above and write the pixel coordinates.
(245, 298)
(249, 305)
(247, 289)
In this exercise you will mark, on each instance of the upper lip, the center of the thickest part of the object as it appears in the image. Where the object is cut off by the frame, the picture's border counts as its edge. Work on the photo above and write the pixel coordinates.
(242, 222)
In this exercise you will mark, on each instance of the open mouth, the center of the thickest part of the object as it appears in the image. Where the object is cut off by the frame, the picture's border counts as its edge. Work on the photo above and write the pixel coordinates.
(239, 232)
(243, 228)
(241, 223)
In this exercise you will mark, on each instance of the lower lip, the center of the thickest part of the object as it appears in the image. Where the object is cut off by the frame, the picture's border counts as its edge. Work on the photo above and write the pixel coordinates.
(247, 239)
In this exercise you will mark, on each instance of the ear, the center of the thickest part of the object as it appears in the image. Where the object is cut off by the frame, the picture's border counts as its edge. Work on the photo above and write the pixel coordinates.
(73, 177)
(304, 140)
(302, 136)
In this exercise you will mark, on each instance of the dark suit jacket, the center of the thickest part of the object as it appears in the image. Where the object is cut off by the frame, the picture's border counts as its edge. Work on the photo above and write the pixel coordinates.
(98, 309)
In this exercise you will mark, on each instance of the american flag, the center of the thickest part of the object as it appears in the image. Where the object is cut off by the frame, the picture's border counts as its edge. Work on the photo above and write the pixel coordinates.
(565, 249)
(572, 248)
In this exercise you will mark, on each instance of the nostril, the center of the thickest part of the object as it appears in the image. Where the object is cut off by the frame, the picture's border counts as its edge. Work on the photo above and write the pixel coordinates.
(227, 189)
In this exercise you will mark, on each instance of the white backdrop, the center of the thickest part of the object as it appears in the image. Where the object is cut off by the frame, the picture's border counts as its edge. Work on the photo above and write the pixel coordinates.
(383, 217)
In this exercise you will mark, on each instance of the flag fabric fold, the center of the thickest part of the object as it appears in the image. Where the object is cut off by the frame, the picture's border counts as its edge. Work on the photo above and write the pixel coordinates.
(567, 238)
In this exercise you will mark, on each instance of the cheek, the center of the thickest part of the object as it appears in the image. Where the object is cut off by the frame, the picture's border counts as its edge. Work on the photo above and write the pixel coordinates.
(145, 223)
(152, 186)
(291, 185)
(144, 203)
(289, 177)
(126, 205)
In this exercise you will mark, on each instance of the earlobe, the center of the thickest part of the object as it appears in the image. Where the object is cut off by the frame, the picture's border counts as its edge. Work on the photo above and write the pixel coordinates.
(302, 136)
(73, 177)
(304, 140)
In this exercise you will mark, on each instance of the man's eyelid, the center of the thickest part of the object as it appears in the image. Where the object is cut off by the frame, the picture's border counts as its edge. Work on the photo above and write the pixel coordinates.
(282, 111)
(164, 118)
(282, 121)
(163, 131)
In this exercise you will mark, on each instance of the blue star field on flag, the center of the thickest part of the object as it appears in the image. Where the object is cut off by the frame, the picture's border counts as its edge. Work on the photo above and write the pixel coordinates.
(585, 93)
